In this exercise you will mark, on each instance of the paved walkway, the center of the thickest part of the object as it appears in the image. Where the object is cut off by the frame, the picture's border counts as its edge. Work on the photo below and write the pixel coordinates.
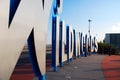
(85, 68)
(94, 67)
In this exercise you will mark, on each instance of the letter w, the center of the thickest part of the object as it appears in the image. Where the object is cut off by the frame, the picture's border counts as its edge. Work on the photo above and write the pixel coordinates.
(27, 18)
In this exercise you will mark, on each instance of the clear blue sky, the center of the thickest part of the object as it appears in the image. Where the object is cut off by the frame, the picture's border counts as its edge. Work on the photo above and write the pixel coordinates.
(105, 16)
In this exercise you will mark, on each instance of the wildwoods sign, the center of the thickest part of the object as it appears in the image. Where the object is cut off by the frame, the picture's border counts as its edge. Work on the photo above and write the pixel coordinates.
(27, 20)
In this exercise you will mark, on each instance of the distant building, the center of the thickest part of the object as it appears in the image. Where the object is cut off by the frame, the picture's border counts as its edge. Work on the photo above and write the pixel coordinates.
(113, 39)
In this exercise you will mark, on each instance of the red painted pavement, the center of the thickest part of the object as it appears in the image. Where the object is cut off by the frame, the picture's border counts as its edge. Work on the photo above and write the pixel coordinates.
(111, 67)
(25, 71)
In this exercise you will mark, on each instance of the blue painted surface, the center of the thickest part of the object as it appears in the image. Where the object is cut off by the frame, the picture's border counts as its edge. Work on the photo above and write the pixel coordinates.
(67, 42)
(42, 77)
(94, 52)
(81, 45)
(60, 44)
(85, 46)
(61, 64)
(56, 6)
(13, 7)
(55, 68)
(32, 53)
(69, 60)
(90, 44)
(54, 43)
(74, 50)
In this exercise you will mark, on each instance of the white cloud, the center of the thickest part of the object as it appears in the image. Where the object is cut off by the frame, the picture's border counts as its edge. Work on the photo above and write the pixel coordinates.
(116, 28)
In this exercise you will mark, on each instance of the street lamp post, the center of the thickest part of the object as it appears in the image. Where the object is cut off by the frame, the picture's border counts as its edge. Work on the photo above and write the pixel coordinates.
(89, 40)
(89, 27)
